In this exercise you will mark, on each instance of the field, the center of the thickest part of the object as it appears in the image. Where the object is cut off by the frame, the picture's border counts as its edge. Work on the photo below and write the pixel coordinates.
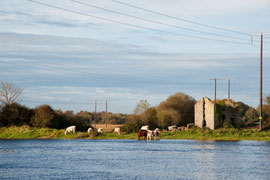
(26, 132)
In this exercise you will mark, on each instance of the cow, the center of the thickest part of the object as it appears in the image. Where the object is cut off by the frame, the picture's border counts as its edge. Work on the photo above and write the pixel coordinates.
(156, 133)
(181, 128)
(190, 125)
(100, 130)
(142, 133)
(117, 130)
(145, 128)
(70, 129)
(89, 130)
(172, 128)
(150, 134)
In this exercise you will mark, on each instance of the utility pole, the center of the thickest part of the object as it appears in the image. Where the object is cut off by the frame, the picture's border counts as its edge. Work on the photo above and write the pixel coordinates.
(106, 113)
(261, 78)
(95, 113)
(215, 79)
(261, 83)
(229, 89)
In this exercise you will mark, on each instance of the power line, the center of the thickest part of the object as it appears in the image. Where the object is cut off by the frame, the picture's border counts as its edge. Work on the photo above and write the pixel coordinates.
(137, 26)
(156, 22)
(82, 74)
(181, 19)
(260, 47)
(83, 70)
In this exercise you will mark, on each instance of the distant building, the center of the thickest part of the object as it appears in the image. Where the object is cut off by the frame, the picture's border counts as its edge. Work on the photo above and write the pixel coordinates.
(213, 114)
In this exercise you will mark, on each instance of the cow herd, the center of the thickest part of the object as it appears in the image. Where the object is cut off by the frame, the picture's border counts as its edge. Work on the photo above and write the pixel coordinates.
(99, 130)
(143, 132)
(148, 134)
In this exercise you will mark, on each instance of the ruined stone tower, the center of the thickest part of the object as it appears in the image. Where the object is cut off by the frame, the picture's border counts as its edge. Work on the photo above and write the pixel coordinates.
(212, 114)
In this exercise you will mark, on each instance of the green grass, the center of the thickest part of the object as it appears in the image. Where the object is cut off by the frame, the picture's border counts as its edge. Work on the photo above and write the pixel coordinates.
(26, 132)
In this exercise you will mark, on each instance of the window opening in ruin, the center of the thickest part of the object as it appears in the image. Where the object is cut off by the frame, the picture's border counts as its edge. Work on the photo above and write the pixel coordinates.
(233, 121)
(204, 122)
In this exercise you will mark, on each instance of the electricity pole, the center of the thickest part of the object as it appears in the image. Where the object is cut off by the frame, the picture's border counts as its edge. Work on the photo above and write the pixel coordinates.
(261, 79)
(106, 113)
(229, 89)
(95, 113)
(261, 83)
(215, 79)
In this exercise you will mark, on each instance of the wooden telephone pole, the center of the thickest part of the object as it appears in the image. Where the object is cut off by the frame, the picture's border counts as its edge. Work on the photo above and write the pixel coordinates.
(261, 78)
(261, 84)
(106, 113)
(215, 79)
(95, 113)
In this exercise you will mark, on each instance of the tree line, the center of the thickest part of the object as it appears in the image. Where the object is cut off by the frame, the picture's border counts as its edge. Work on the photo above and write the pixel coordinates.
(44, 116)
(177, 109)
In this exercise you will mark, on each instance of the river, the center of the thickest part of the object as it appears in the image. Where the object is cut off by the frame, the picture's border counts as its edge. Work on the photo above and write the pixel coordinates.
(133, 159)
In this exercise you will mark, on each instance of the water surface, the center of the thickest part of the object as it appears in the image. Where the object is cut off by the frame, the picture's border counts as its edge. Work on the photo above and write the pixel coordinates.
(132, 159)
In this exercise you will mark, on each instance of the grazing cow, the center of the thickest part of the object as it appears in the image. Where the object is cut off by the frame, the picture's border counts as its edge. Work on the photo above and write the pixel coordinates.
(172, 128)
(145, 128)
(142, 133)
(100, 130)
(190, 125)
(89, 130)
(150, 134)
(70, 129)
(181, 128)
(117, 130)
(156, 133)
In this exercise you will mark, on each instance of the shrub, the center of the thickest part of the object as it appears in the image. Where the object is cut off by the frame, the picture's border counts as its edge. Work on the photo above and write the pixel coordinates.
(134, 124)
(15, 115)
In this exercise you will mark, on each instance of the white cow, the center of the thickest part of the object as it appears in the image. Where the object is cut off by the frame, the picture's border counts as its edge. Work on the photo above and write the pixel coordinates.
(70, 129)
(156, 133)
(145, 128)
(89, 130)
(150, 134)
(100, 130)
(117, 130)
(171, 128)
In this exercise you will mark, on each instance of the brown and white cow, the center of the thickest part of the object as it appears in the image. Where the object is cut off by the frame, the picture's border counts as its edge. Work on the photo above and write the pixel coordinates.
(142, 133)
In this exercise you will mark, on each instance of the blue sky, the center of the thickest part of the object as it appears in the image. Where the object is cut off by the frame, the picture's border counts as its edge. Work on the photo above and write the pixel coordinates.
(68, 60)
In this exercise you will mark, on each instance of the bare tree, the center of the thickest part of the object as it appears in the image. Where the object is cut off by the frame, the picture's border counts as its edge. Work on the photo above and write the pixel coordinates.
(9, 93)
(141, 107)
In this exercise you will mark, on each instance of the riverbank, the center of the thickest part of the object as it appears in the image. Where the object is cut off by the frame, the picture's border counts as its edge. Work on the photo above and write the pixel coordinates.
(26, 132)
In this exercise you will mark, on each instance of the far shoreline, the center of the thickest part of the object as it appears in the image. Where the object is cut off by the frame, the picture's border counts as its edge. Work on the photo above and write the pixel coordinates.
(27, 132)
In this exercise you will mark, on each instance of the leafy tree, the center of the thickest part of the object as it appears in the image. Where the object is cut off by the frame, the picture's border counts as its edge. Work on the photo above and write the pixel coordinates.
(44, 116)
(9, 93)
(150, 118)
(15, 114)
(242, 109)
(267, 100)
(168, 117)
(69, 113)
(251, 115)
(182, 104)
(265, 111)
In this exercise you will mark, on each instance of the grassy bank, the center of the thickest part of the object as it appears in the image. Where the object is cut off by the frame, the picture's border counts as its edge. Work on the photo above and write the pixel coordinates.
(26, 132)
